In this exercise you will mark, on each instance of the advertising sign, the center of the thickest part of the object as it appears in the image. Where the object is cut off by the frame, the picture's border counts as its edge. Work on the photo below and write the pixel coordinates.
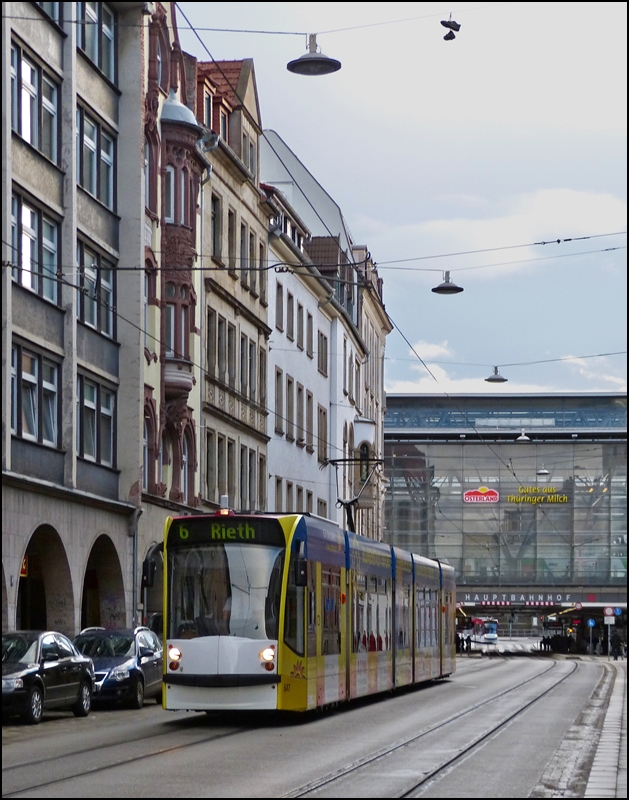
(481, 495)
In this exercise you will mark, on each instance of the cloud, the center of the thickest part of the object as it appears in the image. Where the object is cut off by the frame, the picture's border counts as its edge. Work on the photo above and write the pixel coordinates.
(426, 350)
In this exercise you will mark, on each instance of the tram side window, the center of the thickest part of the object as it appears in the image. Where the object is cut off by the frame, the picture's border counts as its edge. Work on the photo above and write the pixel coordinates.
(331, 591)
(294, 616)
(433, 616)
(421, 618)
(384, 614)
(403, 615)
(272, 604)
(359, 612)
(312, 609)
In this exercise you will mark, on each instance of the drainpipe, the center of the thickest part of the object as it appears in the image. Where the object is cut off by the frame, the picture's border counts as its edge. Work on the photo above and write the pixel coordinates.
(133, 532)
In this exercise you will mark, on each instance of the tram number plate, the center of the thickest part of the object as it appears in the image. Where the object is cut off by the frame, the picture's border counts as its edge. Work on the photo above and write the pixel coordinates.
(287, 687)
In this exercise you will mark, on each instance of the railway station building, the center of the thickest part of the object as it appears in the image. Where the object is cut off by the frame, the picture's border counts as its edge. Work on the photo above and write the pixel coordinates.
(525, 495)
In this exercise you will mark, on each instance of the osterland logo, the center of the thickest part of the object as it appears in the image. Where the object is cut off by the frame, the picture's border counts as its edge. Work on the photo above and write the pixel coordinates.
(481, 495)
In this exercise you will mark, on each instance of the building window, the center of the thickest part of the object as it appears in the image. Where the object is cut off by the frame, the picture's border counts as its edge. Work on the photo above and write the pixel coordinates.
(231, 472)
(322, 508)
(95, 421)
(322, 353)
(96, 158)
(210, 466)
(310, 336)
(207, 108)
(186, 472)
(34, 397)
(224, 126)
(210, 342)
(231, 240)
(34, 245)
(289, 497)
(244, 253)
(253, 371)
(252, 262)
(301, 433)
(145, 456)
(262, 483)
(169, 194)
(309, 421)
(262, 380)
(309, 501)
(263, 276)
(222, 350)
(34, 104)
(279, 306)
(96, 36)
(221, 465)
(216, 226)
(290, 409)
(252, 158)
(53, 10)
(244, 489)
(231, 354)
(96, 290)
(299, 500)
(322, 434)
(300, 326)
(245, 149)
(253, 504)
(279, 402)
(279, 502)
(290, 316)
(244, 366)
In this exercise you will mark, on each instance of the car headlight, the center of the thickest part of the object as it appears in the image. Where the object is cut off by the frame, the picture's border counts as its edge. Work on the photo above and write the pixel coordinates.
(120, 673)
(10, 684)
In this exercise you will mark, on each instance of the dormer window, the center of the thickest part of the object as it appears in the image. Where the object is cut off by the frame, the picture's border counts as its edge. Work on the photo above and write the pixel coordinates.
(245, 149)
(223, 126)
(207, 107)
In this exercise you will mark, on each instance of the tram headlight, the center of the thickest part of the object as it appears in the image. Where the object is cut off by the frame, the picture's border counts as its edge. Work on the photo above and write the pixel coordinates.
(268, 654)
(174, 653)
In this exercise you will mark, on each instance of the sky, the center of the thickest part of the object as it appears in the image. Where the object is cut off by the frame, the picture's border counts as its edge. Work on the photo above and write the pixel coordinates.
(511, 135)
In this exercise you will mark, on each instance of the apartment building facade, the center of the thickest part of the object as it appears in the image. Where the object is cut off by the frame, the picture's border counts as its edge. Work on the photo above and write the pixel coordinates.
(101, 180)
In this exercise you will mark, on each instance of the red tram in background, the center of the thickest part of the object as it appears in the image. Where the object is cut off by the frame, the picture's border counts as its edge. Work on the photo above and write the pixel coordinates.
(482, 630)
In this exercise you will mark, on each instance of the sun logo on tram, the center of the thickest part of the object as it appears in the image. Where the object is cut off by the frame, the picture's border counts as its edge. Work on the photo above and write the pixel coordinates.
(298, 670)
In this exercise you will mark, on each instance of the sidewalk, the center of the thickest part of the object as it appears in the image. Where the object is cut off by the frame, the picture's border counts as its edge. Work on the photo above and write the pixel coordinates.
(608, 776)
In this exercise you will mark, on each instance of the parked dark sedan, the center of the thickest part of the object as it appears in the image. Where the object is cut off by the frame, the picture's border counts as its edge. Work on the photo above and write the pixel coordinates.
(127, 663)
(42, 670)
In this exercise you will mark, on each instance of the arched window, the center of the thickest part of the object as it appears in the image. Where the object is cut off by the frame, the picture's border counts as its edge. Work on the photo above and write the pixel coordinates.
(145, 456)
(185, 470)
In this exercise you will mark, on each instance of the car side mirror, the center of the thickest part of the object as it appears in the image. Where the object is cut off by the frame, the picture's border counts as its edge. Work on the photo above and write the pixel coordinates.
(146, 652)
(301, 572)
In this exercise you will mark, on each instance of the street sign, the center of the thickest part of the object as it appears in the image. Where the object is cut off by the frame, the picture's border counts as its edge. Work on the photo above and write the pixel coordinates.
(578, 606)
(608, 611)
(591, 623)
(610, 620)
(618, 611)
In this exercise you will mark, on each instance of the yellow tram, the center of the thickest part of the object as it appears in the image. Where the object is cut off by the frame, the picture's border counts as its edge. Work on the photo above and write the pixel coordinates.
(290, 612)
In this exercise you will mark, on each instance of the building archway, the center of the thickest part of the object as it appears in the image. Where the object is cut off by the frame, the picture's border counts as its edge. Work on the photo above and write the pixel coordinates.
(45, 599)
(103, 597)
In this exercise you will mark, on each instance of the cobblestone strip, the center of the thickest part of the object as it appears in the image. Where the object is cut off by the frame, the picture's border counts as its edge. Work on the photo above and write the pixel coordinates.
(568, 770)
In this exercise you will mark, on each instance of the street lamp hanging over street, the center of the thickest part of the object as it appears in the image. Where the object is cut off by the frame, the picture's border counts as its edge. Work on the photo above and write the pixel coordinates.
(313, 62)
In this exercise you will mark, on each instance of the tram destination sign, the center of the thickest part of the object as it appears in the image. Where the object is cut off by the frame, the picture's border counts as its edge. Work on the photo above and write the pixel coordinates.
(227, 529)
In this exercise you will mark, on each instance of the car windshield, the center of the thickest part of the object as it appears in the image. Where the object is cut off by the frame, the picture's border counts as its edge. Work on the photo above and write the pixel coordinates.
(17, 648)
(96, 645)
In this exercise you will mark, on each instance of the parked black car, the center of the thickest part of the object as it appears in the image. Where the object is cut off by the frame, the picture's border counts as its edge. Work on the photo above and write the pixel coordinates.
(127, 663)
(42, 670)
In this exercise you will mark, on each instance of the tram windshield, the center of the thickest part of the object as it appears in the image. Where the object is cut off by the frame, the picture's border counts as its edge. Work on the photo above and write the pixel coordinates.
(491, 626)
(225, 589)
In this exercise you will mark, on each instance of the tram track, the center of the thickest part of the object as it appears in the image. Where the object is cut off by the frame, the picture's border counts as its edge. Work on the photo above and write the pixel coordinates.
(136, 748)
(335, 779)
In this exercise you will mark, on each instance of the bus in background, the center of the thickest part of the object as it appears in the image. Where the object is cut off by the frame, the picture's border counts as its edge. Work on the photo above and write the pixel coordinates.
(290, 612)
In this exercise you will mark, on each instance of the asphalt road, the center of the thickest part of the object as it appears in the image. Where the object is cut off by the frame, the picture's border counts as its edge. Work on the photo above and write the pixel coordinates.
(446, 739)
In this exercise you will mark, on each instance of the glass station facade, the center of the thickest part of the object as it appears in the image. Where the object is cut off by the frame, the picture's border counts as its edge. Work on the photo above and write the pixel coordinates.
(548, 510)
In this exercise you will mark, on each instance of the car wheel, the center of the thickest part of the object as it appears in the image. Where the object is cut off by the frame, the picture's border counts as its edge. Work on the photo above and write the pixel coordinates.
(35, 706)
(138, 694)
(83, 705)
